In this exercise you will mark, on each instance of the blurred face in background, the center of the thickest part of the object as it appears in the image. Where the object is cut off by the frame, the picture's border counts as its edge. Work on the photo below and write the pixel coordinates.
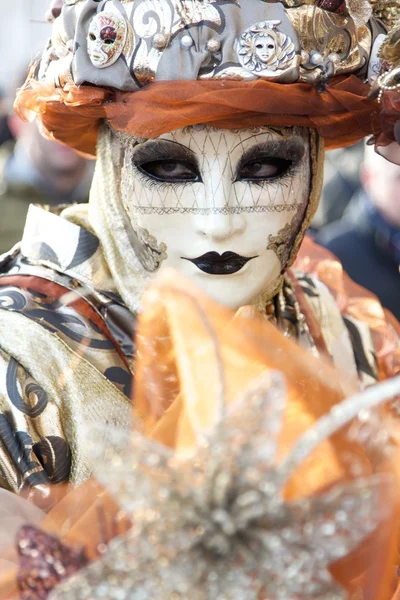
(56, 163)
(381, 181)
(50, 155)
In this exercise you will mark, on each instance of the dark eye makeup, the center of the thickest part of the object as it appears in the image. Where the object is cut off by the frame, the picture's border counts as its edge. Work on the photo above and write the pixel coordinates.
(171, 170)
(272, 160)
(166, 161)
(264, 168)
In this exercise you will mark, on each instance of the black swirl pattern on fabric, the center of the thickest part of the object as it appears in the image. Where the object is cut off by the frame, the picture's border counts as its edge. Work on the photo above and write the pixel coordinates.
(18, 446)
(362, 362)
(56, 321)
(47, 253)
(87, 246)
(43, 300)
(52, 318)
(122, 380)
(12, 299)
(75, 324)
(33, 399)
(121, 323)
(54, 455)
(308, 286)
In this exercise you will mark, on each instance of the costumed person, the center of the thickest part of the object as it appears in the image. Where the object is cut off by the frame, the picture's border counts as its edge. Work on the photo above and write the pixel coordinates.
(370, 229)
(257, 482)
(209, 121)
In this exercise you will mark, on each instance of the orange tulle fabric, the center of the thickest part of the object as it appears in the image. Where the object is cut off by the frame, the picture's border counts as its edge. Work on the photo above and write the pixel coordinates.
(198, 348)
(342, 114)
(190, 352)
(390, 115)
(357, 302)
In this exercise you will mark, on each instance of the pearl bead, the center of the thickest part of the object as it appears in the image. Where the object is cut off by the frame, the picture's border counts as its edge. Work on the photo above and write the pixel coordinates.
(160, 41)
(213, 45)
(316, 58)
(334, 57)
(186, 42)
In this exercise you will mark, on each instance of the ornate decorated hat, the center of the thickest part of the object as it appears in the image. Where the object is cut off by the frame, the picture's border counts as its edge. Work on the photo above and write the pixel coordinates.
(152, 66)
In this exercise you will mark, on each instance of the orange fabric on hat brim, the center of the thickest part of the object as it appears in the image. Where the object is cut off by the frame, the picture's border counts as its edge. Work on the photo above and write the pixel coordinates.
(342, 114)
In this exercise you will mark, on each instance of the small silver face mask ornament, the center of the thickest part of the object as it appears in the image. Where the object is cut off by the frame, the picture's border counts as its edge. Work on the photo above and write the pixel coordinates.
(265, 47)
(266, 52)
(106, 39)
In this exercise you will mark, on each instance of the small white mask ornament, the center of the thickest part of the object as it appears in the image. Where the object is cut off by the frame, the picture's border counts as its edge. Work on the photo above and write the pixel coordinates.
(221, 207)
(106, 39)
(265, 51)
(264, 48)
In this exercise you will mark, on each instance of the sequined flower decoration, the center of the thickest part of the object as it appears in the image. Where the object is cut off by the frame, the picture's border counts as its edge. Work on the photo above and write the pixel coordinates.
(215, 525)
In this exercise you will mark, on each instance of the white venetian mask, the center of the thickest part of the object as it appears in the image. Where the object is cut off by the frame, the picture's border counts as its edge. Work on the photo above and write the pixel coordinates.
(106, 38)
(221, 207)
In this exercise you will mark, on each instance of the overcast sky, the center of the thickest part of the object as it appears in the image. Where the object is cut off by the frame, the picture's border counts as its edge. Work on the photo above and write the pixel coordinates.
(25, 32)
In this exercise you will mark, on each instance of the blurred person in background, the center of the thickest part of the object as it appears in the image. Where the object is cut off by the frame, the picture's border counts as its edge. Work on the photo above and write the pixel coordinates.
(367, 238)
(5, 131)
(34, 170)
(341, 182)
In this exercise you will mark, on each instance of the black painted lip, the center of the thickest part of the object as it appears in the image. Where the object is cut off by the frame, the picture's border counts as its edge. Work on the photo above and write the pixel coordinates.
(220, 264)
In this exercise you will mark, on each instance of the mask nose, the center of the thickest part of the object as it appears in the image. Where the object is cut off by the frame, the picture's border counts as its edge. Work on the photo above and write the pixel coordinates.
(220, 222)
(220, 226)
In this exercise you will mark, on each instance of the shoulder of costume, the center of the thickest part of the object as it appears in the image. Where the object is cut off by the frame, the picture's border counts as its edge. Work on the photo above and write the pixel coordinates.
(36, 283)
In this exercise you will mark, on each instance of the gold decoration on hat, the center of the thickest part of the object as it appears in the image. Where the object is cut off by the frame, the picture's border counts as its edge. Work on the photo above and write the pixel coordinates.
(387, 11)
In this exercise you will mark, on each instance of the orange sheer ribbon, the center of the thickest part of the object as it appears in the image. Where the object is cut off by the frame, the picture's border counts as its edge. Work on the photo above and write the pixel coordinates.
(342, 114)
